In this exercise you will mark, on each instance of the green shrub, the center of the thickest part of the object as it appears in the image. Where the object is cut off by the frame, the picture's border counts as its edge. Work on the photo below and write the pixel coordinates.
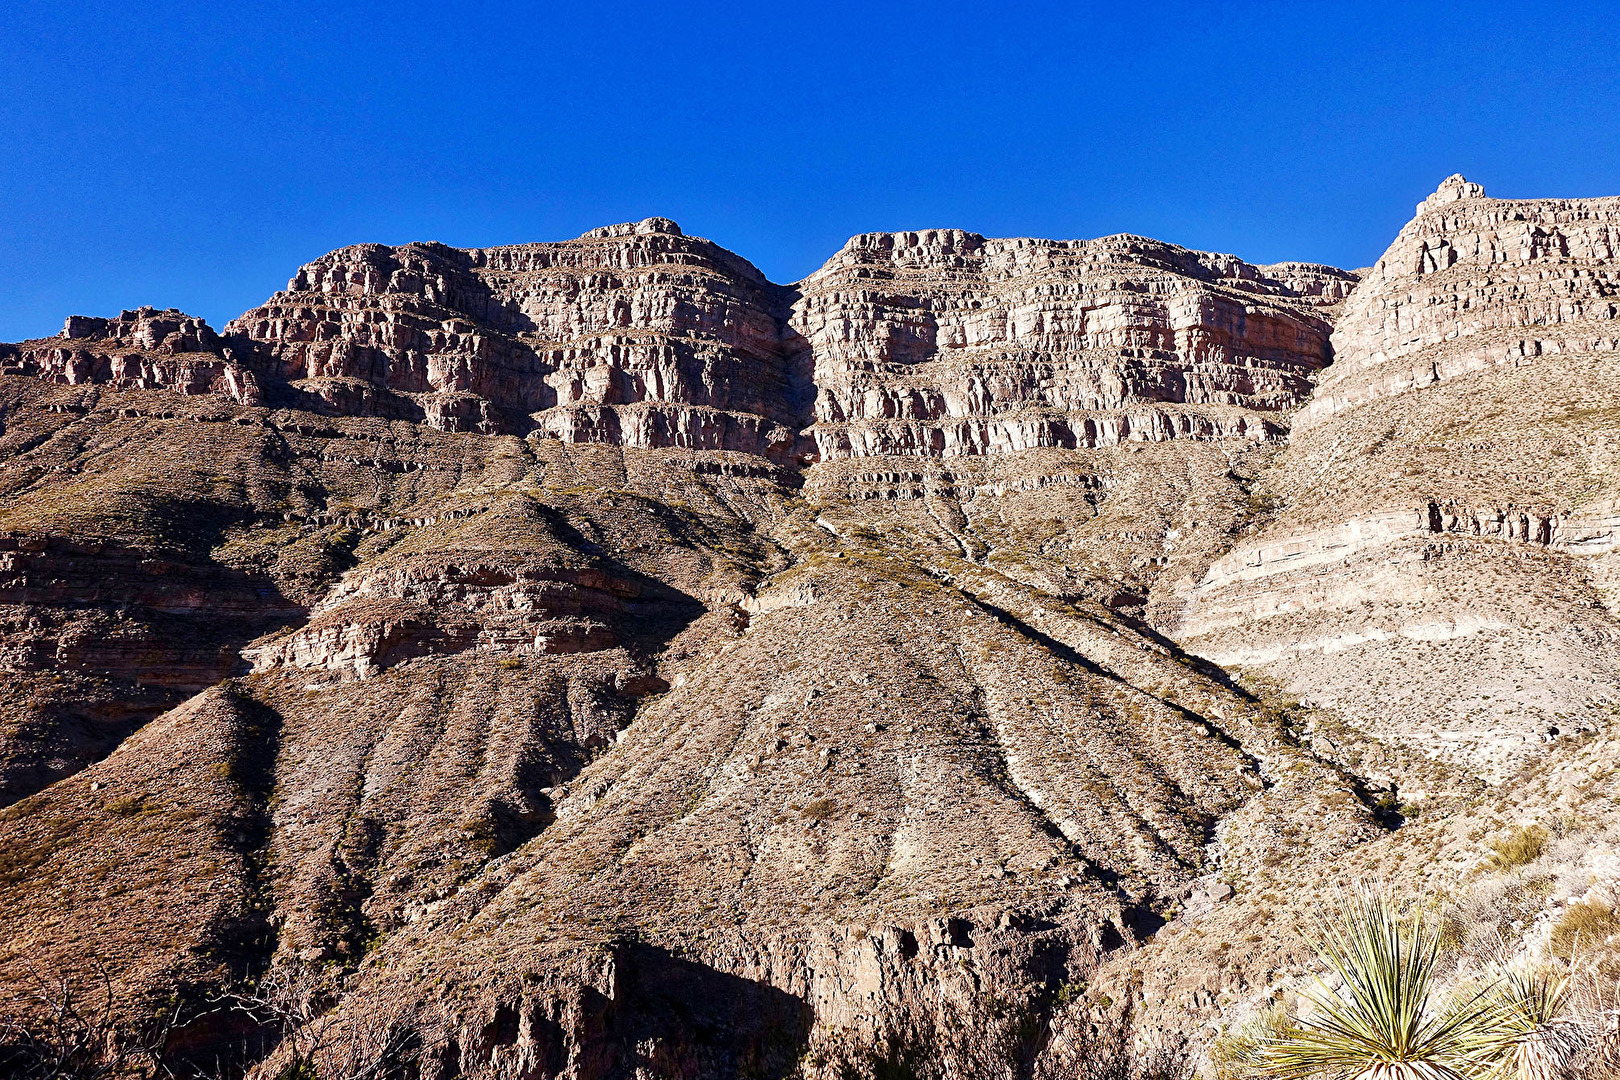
(1386, 1018)
(1536, 1038)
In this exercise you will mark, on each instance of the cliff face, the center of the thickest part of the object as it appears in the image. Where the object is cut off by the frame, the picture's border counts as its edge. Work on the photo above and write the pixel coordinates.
(591, 659)
(632, 335)
(933, 344)
(945, 344)
(1447, 497)
(1473, 283)
(146, 348)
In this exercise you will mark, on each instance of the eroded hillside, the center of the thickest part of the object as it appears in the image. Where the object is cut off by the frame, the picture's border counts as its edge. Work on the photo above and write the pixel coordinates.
(591, 659)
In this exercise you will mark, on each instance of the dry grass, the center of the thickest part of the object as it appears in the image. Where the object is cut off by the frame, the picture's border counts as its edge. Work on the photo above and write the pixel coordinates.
(820, 809)
(1521, 847)
(1586, 926)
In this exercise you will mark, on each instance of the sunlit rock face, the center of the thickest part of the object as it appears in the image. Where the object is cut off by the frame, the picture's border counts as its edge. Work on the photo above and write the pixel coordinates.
(945, 344)
(593, 659)
(1472, 283)
(939, 343)
(1449, 492)
(633, 335)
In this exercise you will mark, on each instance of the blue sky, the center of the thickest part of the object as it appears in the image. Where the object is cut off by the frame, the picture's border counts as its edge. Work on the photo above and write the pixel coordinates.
(193, 155)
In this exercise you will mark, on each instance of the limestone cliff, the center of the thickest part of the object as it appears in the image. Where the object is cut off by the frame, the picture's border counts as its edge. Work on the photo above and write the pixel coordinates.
(633, 335)
(1446, 506)
(592, 659)
(1474, 283)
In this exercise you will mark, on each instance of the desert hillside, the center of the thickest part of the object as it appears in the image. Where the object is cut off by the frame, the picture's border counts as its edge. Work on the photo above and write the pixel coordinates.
(592, 659)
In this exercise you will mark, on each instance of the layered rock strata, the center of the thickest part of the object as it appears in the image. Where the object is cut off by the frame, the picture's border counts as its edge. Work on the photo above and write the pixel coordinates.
(145, 348)
(627, 666)
(944, 344)
(933, 344)
(634, 335)
(1460, 436)
(1472, 283)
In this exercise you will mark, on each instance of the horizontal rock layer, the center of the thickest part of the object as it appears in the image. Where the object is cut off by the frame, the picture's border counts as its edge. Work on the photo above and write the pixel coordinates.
(624, 665)
(1474, 282)
(1446, 505)
(639, 336)
(145, 348)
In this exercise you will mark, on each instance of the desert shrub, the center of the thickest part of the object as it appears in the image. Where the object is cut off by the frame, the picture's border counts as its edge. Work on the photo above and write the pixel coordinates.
(1493, 913)
(481, 836)
(1231, 1053)
(1169, 1057)
(819, 809)
(56, 1027)
(1536, 1038)
(1386, 1018)
(1586, 925)
(1521, 847)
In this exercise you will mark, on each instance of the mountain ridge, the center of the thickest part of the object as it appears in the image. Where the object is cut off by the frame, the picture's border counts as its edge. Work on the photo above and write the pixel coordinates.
(591, 659)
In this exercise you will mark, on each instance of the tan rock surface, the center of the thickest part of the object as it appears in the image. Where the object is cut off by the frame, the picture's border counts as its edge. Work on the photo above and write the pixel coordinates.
(593, 659)
(1434, 562)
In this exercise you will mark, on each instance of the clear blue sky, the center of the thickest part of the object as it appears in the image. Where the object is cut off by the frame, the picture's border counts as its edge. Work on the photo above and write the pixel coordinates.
(193, 155)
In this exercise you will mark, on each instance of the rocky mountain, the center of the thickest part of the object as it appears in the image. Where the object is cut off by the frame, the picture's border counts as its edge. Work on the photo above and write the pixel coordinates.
(1454, 455)
(592, 659)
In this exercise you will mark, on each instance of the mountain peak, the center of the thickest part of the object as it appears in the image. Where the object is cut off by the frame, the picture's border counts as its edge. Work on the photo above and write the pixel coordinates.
(644, 227)
(1451, 189)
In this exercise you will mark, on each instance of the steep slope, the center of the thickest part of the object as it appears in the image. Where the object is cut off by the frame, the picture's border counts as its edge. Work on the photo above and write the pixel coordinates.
(1445, 508)
(945, 344)
(632, 334)
(813, 718)
(890, 800)
(590, 659)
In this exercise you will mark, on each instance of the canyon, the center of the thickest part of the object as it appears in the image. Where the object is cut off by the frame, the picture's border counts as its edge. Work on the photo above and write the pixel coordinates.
(592, 659)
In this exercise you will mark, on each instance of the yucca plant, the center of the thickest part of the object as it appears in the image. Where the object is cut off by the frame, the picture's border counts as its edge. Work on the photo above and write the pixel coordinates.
(1535, 1034)
(1387, 1021)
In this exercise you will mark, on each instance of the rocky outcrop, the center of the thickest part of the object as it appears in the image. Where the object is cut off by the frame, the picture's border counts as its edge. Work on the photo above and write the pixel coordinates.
(407, 332)
(144, 349)
(1596, 532)
(382, 615)
(938, 437)
(604, 660)
(930, 344)
(933, 344)
(944, 343)
(121, 612)
(1457, 440)
(1473, 283)
(507, 580)
(633, 335)
(97, 638)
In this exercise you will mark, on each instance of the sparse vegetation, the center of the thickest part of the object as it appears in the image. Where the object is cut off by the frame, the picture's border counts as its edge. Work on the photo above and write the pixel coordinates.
(1386, 1014)
(819, 809)
(1586, 926)
(933, 717)
(1522, 846)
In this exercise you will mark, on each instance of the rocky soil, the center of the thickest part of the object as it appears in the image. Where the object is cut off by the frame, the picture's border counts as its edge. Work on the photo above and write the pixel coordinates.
(592, 659)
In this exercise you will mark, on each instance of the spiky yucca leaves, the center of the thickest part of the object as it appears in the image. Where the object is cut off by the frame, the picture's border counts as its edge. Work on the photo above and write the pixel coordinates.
(1536, 1037)
(1385, 1022)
